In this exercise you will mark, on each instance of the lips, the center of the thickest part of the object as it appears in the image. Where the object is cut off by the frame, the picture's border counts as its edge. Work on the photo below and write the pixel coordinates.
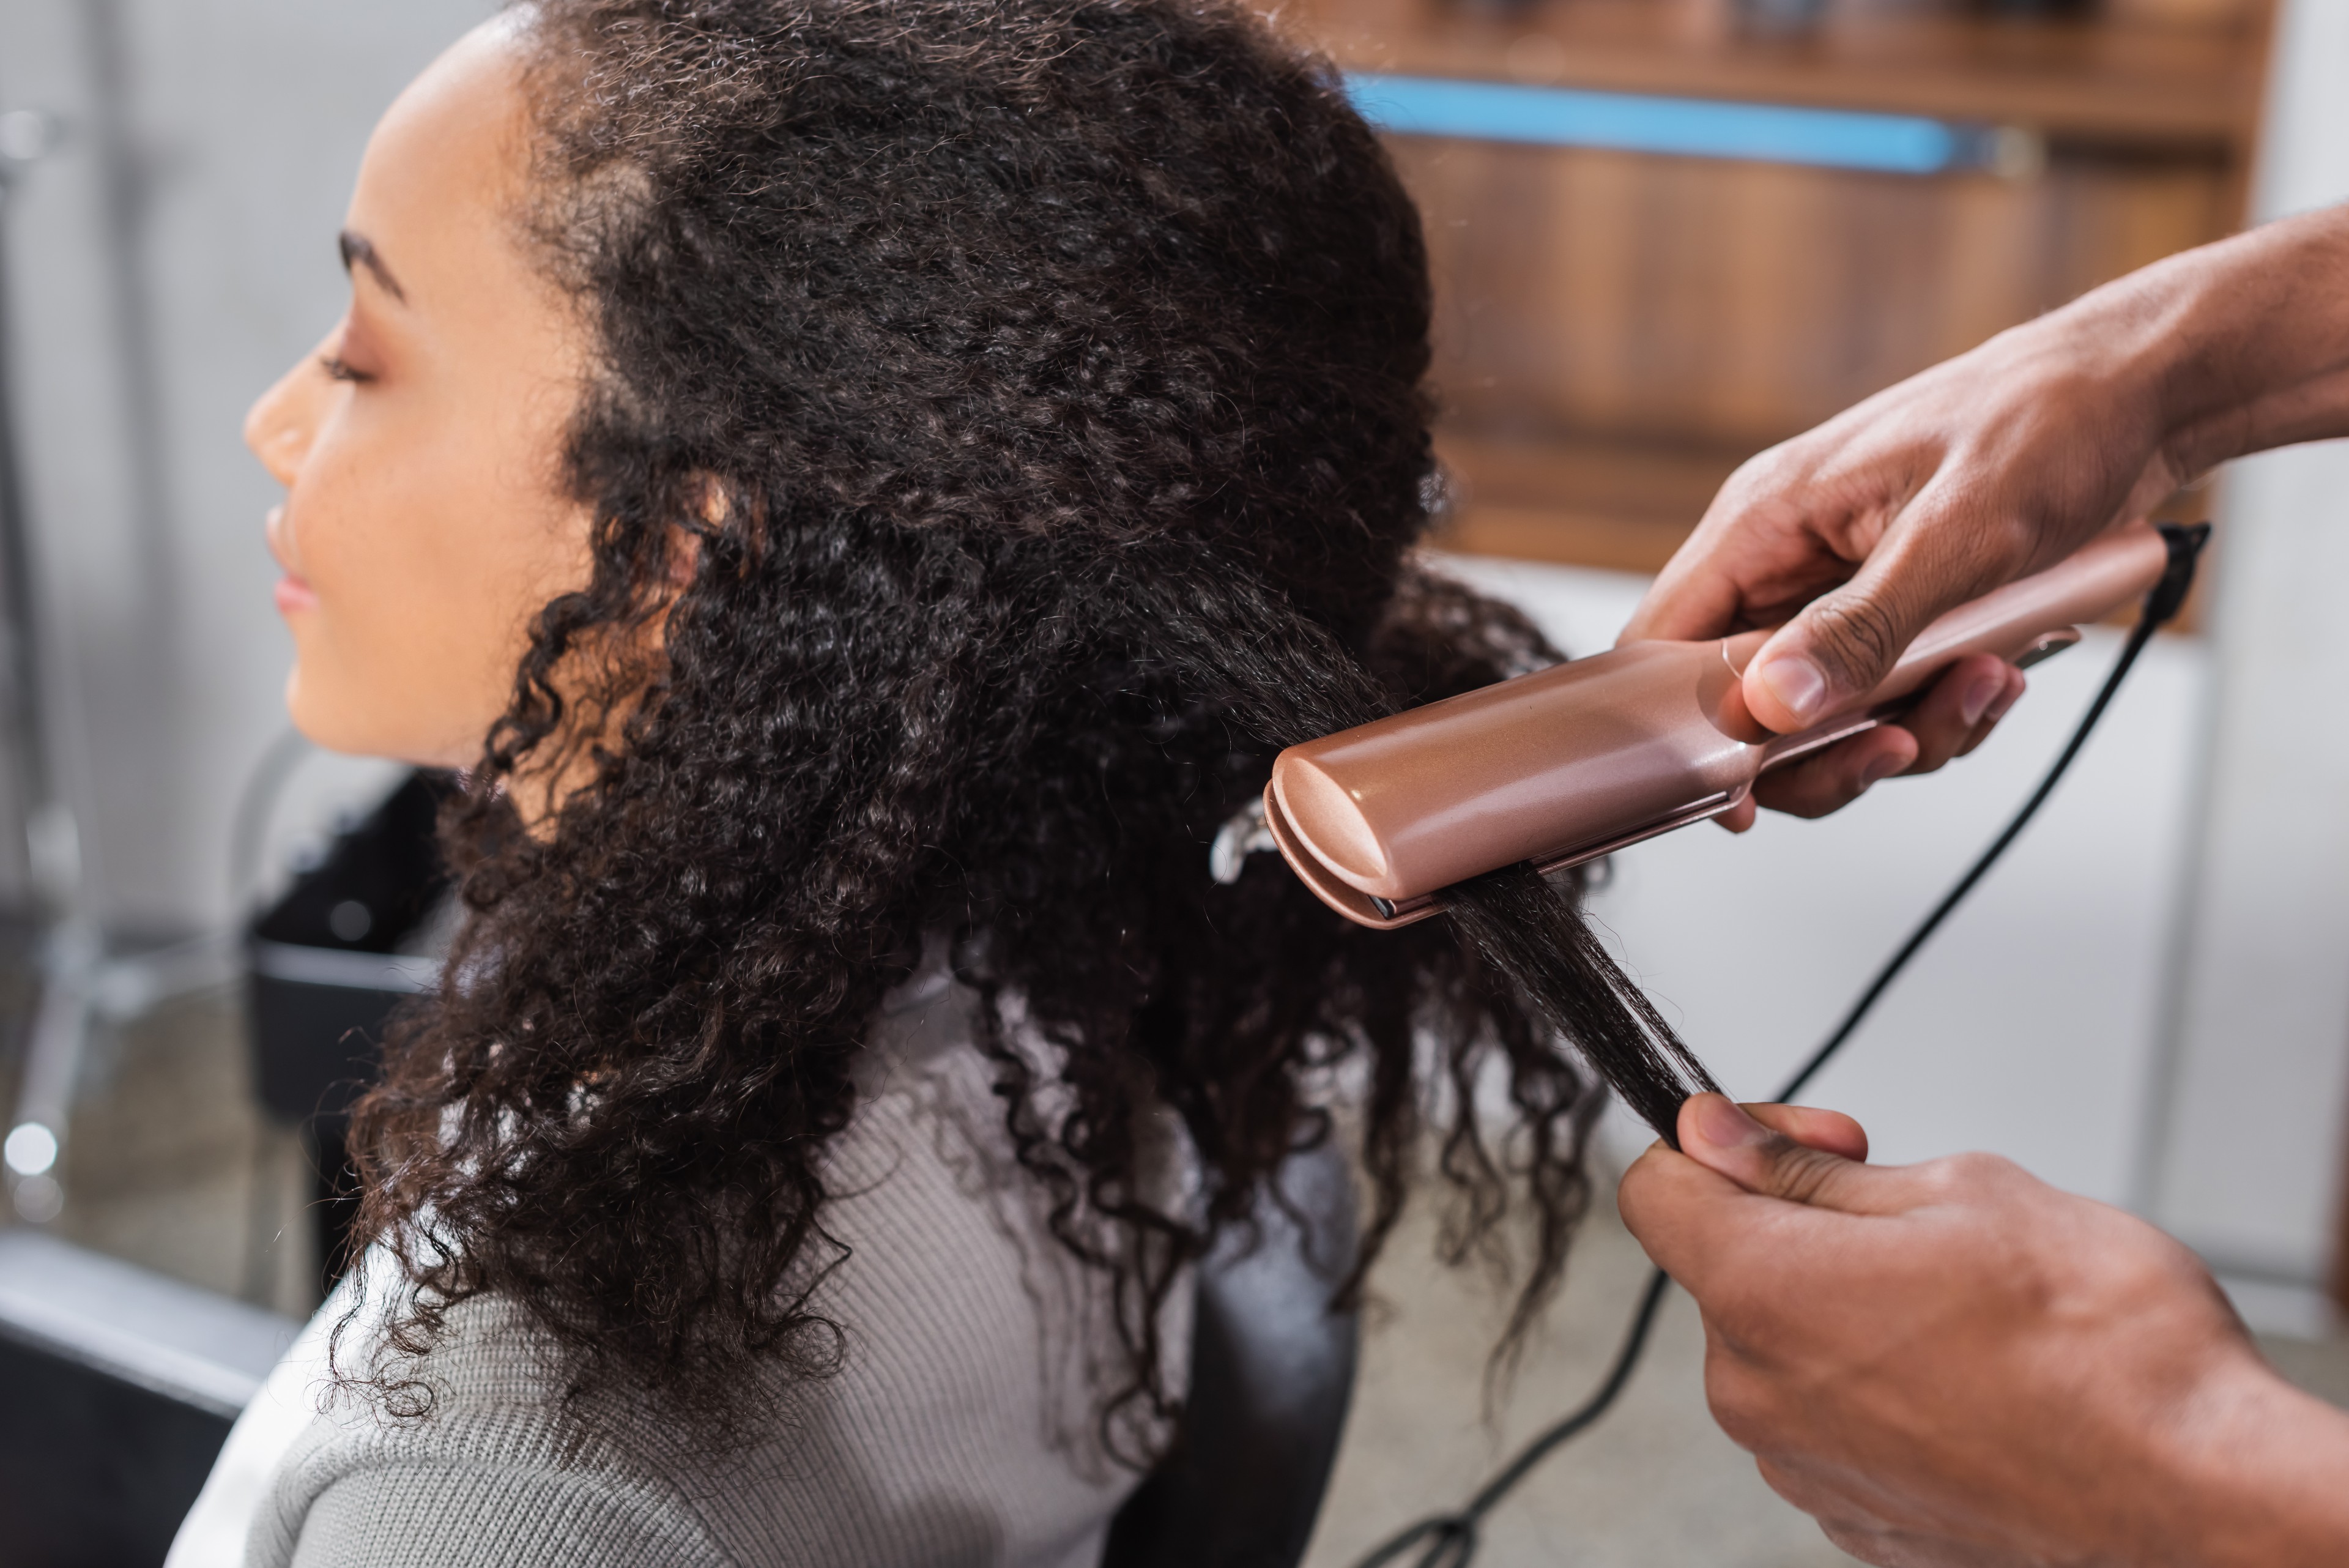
(293, 593)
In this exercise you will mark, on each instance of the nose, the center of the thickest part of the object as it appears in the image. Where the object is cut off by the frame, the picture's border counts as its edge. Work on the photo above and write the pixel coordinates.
(283, 420)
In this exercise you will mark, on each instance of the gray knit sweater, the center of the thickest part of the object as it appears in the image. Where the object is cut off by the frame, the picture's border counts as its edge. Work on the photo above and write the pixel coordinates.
(959, 1429)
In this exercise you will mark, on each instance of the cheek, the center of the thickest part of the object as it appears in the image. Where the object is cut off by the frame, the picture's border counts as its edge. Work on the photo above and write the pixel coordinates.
(427, 560)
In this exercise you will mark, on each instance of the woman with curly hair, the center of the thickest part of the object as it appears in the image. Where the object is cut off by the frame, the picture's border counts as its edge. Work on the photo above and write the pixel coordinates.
(863, 489)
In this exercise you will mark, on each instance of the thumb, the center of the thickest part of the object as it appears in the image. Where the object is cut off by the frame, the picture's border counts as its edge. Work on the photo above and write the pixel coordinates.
(1832, 654)
(1841, 646)
(1719, 1135)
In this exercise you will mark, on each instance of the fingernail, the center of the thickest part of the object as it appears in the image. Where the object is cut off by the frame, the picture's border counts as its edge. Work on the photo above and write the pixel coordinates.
(1877, 769)
(1722, 1125)
(1979, 697)
(1796, 683)
(2007, 697)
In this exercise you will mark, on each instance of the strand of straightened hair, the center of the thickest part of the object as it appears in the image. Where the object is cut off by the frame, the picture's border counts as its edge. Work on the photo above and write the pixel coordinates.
(1450, 1540)
(1534, 934)
(1294, 680)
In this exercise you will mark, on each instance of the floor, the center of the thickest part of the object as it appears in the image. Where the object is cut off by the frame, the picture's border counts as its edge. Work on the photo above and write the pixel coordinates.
(172, 1163)
(1655, 1482)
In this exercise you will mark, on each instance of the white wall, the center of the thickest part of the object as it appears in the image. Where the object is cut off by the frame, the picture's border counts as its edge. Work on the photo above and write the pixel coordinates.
(172, 258)
(2248, 1112)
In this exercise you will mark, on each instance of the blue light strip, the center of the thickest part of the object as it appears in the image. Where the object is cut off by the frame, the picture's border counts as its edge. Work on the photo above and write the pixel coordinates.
(1690, 128)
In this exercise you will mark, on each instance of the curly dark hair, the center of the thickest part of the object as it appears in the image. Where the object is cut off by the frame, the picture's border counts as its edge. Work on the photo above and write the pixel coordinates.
(1010, 417)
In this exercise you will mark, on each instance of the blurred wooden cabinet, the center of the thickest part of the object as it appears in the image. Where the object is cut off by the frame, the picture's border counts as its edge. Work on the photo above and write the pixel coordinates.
(1616, 331)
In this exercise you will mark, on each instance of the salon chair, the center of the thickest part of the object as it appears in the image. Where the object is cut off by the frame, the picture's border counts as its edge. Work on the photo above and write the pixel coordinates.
(1272, 1368)
(1272, 1372)
(324, 969)
(118, 1387)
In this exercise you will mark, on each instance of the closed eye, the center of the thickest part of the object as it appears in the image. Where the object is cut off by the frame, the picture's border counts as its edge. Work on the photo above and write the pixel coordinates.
(340, 370)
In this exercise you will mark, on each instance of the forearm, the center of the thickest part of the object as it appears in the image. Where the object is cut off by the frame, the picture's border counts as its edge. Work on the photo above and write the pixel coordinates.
(2233, 348)
(2259, 1477)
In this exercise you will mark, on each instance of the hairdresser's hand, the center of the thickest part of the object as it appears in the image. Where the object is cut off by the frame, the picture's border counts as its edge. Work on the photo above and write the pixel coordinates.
(1998, 463)
(1955, 1363)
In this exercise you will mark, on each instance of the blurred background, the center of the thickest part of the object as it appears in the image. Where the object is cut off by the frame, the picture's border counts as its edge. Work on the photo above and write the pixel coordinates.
(1666, 233)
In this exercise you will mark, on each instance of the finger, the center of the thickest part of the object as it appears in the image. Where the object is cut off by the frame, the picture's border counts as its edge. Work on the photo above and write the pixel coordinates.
(1760, 550)
(2016, 684)
(1888, 1548)
(1681, 1212)
(1724, 1140)
(1945, 719)
(1955, 715)
(1697, 596)
(1830, 780)
(1739, 817)
(1831, 1131)
(1843, 643)
(1710, 1234)
(1701, 589)
(1806, 1487)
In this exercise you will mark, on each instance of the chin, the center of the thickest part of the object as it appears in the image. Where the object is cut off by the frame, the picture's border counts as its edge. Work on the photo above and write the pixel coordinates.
(327, 723)
(339, 720)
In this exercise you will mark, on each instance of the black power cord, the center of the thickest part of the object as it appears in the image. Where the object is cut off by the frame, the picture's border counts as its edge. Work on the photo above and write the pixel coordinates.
(1450, 1540)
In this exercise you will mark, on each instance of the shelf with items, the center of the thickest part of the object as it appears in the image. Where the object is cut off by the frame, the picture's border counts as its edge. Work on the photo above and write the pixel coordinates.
(1617, 330)
(2146, 74)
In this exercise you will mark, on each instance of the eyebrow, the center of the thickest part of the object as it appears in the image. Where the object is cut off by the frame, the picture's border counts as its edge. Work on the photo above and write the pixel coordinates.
(359, 250)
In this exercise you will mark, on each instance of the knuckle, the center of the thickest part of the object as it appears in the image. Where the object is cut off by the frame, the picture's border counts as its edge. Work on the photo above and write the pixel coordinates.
(1813, 787)
(1862, 1542)
(1732, 1397)
(1855, 633)
(1803, 1175)
(1976, 1169)
(1962, 1177)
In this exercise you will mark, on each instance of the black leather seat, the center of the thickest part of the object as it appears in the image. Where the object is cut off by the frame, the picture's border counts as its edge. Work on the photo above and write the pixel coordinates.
(1272, 1372)
(118, 1387)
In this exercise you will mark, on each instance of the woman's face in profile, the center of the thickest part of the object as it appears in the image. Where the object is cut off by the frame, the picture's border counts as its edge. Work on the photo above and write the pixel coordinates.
(424, 523)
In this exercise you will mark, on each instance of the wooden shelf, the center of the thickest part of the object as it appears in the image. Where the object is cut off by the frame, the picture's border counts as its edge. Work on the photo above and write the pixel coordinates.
(1624, 506)
(1627, 506)
(1615, 332)
(2121, 77)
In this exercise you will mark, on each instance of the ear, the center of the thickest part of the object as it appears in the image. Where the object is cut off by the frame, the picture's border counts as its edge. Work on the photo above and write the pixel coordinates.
(684, 557)
(710, 501)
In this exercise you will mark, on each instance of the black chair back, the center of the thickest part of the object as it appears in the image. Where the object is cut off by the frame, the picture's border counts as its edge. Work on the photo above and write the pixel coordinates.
(1272, 1374)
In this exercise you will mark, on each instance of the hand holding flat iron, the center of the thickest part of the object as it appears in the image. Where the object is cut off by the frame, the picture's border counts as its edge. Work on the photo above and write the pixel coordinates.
(1994, 464)
(1955, 1365)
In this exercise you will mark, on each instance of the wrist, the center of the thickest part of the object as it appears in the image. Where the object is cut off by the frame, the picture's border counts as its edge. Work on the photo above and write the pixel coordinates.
(2231, 325)
(2183, 349)
(2250, 1472)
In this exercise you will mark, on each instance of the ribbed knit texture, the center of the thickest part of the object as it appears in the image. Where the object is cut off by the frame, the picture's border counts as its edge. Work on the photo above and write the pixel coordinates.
(958, 1432)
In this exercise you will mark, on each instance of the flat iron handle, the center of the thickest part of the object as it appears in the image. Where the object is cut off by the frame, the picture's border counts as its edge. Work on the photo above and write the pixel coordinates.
(2111, 571)
(2023, 622)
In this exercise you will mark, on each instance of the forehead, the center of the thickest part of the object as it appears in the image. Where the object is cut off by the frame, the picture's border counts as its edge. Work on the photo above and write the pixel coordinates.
(447, 164)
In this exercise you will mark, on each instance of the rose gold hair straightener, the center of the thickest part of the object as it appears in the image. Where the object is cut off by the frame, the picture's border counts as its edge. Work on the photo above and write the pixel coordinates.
(1572, 762)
